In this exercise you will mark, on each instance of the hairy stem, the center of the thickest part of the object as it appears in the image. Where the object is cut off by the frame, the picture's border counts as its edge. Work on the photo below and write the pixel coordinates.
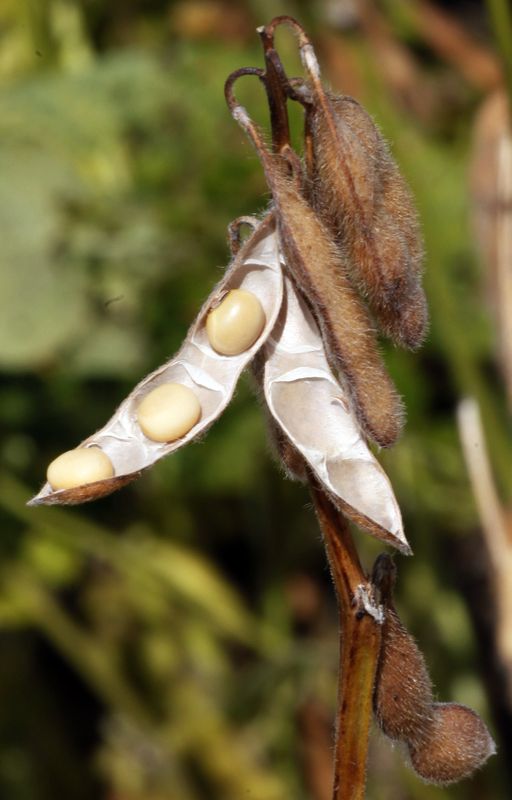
(360, 638)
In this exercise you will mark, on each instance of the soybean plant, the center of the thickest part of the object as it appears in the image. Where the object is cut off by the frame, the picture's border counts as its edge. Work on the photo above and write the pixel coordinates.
(336, 256)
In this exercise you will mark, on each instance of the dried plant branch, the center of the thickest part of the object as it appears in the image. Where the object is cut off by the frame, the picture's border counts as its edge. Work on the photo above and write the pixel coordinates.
(360, 621)
(482, 481)
(276, 94)
(497, 536)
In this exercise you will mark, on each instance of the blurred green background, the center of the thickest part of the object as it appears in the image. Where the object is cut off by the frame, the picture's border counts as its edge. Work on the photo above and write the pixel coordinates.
(179, 638)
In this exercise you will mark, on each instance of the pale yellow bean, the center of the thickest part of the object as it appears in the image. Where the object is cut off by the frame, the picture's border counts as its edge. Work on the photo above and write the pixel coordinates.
(236, 323)
(168, 412)
(78, 467)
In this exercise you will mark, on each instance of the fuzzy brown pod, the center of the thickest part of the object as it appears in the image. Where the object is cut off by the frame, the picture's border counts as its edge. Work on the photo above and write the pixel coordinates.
(355, 185)
(457, 744)
(318, 267)
(212, 377)
(360, 194)
(446, 742)
(312, 410)
(403, 691)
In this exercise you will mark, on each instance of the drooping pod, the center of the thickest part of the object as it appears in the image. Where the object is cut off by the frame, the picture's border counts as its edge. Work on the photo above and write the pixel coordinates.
(316, 425)
(317, 265)
(136, 437)
(357, 189)
(446, 742)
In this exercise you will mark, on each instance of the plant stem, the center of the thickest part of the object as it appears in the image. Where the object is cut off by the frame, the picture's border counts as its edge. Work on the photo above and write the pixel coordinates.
(360, 639)
(276, 94)
(501, 19)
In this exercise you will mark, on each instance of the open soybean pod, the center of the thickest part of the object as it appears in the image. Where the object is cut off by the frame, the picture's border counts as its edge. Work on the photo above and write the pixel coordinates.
(197, 369)
(312, 409)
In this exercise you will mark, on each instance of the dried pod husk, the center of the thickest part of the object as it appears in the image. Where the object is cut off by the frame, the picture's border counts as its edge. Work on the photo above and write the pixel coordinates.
(360, 194)
(294, 464)
(320, 270)
(282, 449)
(212, 377)
(312, 409)
(403, 691)
(456, 744)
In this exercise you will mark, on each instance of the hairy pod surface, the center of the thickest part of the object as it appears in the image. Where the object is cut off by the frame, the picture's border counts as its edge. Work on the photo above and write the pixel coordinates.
(318, 267)
(360, 194)
(210, 376)
(317, 422)
(403, 692)
(456, 744)
(446, 741)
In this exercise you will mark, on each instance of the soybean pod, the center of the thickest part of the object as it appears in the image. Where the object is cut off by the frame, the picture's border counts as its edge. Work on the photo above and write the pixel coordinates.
(181, 399)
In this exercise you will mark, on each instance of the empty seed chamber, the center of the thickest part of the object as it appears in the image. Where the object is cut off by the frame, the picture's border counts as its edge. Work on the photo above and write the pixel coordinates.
(314, 412)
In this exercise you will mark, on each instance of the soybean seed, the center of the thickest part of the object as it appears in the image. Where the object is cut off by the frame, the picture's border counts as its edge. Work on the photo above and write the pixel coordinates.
(78, 467)
(236, 323)
(168, 412)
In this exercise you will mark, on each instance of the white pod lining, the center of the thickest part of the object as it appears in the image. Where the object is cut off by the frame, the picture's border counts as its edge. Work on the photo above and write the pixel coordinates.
(313, 410)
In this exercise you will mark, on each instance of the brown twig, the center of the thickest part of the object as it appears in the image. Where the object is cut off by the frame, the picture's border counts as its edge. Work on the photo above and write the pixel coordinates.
(276, 93)
(288, 88)
(360, 622)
